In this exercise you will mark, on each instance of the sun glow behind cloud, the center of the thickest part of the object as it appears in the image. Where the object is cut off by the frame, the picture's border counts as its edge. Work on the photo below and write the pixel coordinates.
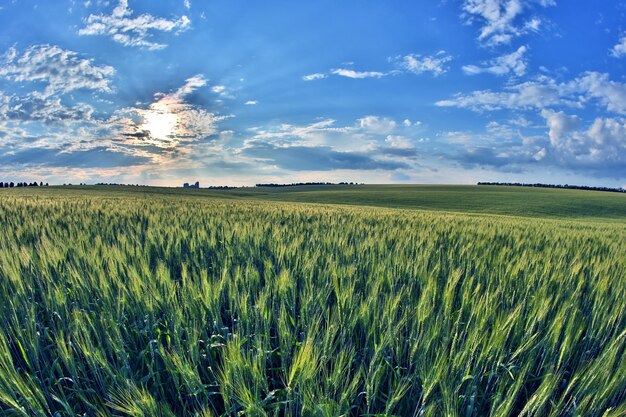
(169, 122)
(160, 122)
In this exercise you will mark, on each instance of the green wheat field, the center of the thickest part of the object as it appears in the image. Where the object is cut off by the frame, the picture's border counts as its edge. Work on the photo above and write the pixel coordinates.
(312, 301)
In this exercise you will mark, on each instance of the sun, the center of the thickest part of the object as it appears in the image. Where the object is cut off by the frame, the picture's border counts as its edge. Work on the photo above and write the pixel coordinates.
(160, 122)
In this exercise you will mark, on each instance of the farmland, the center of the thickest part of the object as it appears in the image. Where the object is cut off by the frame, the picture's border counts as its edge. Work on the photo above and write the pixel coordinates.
(513, 201)
(423, 301)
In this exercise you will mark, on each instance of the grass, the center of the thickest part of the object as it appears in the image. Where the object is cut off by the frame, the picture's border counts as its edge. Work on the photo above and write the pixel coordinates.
(142, 302)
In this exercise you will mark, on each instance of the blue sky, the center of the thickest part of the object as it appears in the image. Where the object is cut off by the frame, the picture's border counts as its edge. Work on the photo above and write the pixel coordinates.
(229, 92)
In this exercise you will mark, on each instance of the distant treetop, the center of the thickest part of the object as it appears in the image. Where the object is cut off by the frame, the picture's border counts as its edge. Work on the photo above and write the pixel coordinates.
(566, 186)
(295, 184)
(22, 184)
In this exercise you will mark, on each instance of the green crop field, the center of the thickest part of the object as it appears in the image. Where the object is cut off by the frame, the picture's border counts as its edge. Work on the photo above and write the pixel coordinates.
(441, 301)
(514, 201)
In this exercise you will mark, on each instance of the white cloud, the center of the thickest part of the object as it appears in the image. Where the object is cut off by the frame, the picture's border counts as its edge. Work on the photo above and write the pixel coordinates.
(545, 92)
(611, 94)
(619, 50)
(514, 62)
(560, 125)
(409, 123)
(368, 144)
(376, 124)
(36, 107)
(187, 4)
(398, 142)
(602, 145)
(315, 76)
(312, 134)
(357, 74)
(418, 64)
(224, 92)
(251, 103)
(61, 70)
(413, 63)
(500, 18)
(129, 31)
(367, 133)
(191, 84)
(540, 93)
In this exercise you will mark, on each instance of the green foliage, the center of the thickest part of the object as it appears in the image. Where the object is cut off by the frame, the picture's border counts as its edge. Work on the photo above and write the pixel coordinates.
(150, 305)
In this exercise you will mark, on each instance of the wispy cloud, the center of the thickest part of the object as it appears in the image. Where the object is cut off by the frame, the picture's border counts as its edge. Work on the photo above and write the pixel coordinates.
(546, 92)
(515, 63)
(316, 133)
(191, 84)
(370, 143)
(536, 94)
(132, 31)
(61, 70)
(348, 73)
(501, 20)
(315, 76)
(418, 64)
(411, 63)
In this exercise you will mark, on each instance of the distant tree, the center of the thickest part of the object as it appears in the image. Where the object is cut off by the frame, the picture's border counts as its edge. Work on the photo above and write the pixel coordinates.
(11, 185)
(41, 183)
(1, 184)
(566, 186)
(46, 184)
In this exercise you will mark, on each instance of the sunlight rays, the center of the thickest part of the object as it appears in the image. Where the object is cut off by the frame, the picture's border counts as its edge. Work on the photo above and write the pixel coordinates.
(160, 122)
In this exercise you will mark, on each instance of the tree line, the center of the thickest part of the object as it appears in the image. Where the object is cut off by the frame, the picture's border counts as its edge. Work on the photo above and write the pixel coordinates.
(295, 184)
(565, 186)
(22, 184)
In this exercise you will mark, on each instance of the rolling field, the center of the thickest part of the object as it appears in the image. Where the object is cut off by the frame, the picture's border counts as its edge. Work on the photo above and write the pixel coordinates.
(512, 201)
(131, 301)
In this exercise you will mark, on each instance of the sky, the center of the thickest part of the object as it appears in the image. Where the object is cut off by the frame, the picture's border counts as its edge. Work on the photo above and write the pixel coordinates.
(232, 92)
